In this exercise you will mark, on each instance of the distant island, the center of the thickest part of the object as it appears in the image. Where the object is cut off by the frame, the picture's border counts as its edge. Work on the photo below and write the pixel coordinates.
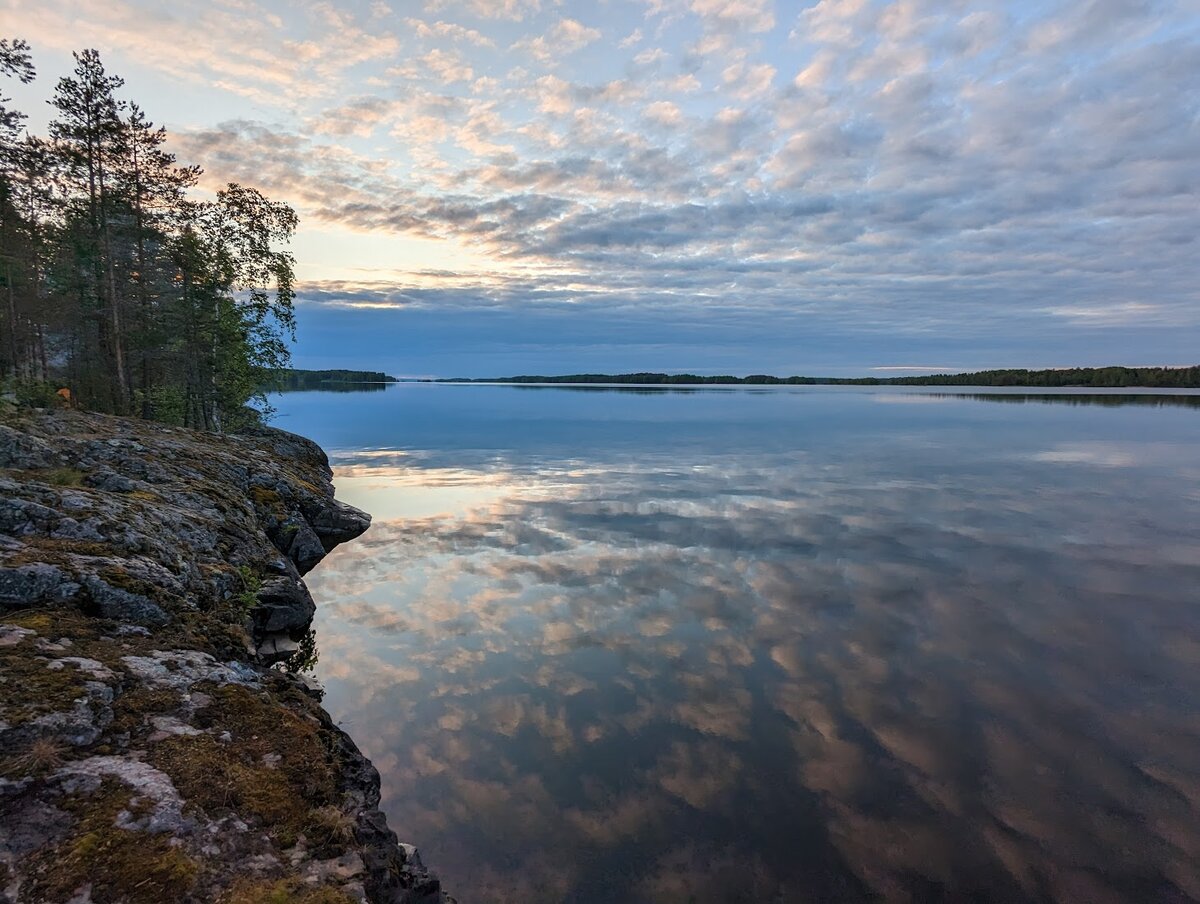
(293, 380)
(1089, 377)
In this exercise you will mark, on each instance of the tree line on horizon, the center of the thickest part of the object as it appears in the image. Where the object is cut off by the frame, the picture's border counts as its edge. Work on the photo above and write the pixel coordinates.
(1088, 377)
(116, 282)
(295, 380)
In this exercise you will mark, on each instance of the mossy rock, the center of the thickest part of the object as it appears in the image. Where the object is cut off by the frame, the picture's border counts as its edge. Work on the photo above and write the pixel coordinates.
(284, 891)
(275, 769)
(132, 709)
(29, 688)
(120, 864)
(63, 477)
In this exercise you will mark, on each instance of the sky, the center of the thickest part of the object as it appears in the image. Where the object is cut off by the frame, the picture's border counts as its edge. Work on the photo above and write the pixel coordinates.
(846, 187)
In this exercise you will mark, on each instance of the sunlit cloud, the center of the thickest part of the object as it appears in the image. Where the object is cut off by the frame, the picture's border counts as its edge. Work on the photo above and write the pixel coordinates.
(878, 168)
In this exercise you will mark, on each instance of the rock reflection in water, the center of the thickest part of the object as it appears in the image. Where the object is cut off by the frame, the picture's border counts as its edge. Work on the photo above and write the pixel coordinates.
(934, 668)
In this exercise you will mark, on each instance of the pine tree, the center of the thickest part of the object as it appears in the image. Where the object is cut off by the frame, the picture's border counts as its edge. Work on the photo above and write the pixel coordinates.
(90, 137)
(16, 62)
(117, 283)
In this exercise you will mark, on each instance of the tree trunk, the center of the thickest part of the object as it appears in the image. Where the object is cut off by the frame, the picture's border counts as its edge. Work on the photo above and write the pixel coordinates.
(12, 321)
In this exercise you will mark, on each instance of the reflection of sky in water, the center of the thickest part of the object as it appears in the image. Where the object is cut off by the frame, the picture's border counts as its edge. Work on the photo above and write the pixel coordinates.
(803, 644)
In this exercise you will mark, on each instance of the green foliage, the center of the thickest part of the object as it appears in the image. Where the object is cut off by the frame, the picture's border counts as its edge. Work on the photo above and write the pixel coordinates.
(16, 62)
(291, 380)
(63, 477)
(36, 394)
(304, 660)
(119, 286)
(167, 403)
(251, 583)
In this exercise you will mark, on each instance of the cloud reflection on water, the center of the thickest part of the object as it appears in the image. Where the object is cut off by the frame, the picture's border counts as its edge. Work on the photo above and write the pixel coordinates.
(904, 673)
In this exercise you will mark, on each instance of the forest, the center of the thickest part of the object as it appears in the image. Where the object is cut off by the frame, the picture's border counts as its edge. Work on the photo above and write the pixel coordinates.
(1095, 377)
(121, 282)
(292, 380)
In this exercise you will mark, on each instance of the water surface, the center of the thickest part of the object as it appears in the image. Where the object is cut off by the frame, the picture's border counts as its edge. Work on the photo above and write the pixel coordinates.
(794, 644)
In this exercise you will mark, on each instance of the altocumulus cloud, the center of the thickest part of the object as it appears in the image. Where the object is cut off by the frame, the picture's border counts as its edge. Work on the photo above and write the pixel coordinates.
(989, 182)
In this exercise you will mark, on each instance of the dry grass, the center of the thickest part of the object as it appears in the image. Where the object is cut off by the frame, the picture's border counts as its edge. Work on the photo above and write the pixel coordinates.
(41, 756)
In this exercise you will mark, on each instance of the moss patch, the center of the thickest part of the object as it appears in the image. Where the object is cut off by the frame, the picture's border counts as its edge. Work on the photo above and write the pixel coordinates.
(132, 708)
(29, 688)
(120, 864)
(269, 499)
(58, 552)
(286, 797)
(63, 477)
(285, 891)
(91, 637)
(118, 577)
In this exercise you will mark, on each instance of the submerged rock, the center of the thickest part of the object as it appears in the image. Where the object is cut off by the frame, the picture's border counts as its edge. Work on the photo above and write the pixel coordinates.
(150, 577)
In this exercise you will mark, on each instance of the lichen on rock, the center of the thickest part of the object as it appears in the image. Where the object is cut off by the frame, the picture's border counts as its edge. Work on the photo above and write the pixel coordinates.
(153, 744)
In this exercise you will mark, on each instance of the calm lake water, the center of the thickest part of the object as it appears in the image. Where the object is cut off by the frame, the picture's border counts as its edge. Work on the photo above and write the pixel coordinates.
(790, 644)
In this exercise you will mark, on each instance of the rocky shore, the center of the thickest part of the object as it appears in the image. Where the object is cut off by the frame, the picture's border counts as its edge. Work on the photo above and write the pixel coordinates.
(158, 740)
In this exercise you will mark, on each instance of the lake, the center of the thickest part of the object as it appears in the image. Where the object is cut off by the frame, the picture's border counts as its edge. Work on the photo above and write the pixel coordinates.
(782, 644)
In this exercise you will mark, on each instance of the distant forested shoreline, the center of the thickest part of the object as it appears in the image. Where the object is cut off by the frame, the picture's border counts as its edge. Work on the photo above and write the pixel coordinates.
(293, 380)
(1087, 377)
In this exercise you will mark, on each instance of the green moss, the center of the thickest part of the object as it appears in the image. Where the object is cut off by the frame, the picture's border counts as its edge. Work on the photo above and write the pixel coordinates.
(122, 580)
(119, 864)
(216, 776)
(219, 631)
(267, 498)
(63, 477)
(52, 624)
(57, 552)
(29, 688)
(132, 709)
(283, 891)
(39, 620)
(92, 637)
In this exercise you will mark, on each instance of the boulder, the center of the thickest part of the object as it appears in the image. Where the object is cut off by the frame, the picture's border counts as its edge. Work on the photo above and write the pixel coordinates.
(121, 605)
(337, 522)
(284, 607)
(37, 584)
(306, 549)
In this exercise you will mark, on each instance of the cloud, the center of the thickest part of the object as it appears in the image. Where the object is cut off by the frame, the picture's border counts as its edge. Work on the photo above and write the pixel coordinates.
(565, 37)
(514, 10)
(747, 82)
(664, 112)
(270, 65)
(616, 650)
(649, 56)
(444, 66)
(752, 15)
(936, 171)
(429, 30)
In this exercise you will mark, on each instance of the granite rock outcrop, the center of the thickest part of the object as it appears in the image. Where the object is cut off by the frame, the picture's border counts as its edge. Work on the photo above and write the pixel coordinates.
(158, 740)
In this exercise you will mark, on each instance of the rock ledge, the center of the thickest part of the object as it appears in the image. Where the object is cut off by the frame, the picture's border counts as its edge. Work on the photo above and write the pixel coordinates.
(150, 579)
